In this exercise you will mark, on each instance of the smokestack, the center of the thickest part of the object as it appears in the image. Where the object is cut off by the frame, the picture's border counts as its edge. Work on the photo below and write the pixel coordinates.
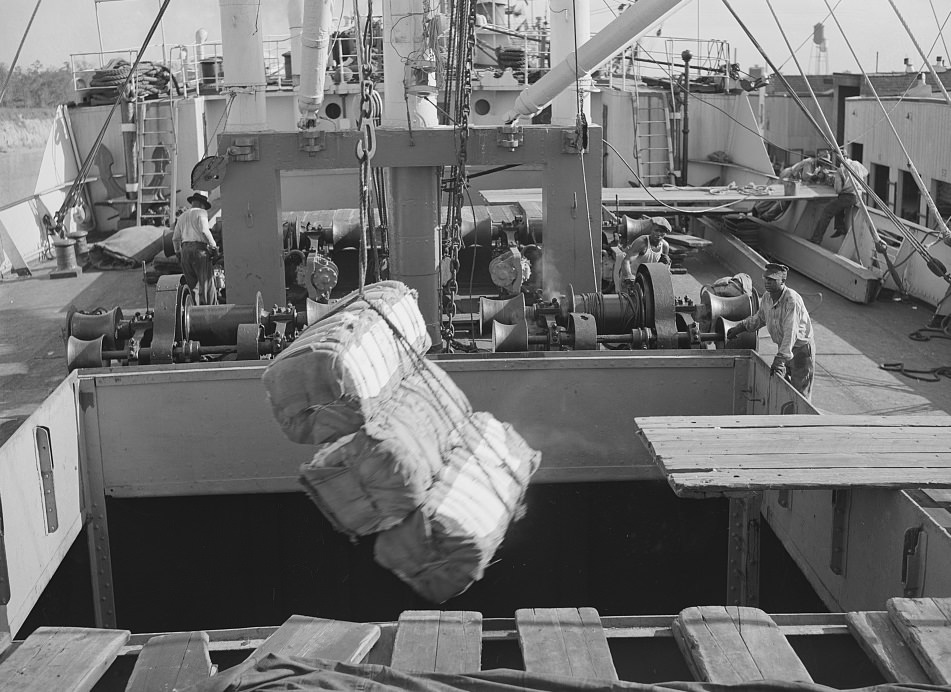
(907, 65)
(939, 65)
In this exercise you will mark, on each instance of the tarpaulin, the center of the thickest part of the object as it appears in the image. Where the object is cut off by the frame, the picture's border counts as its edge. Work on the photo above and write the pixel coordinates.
(273, 673)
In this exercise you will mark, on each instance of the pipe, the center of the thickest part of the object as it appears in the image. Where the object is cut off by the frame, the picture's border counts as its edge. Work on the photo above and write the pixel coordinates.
(636, 19)
(685, 56)
(315, 48)
(295, 23)
(242, 46)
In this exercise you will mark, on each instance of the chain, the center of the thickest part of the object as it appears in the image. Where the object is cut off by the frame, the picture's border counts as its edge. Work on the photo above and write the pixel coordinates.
(452, 232)
(370, 113)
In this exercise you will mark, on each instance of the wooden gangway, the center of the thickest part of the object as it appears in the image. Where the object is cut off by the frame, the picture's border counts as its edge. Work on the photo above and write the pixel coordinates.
(909, 642)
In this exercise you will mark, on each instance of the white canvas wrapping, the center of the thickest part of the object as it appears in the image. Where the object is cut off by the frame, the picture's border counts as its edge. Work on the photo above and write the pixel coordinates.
(372, 479)
(443, 548)
(322, 386)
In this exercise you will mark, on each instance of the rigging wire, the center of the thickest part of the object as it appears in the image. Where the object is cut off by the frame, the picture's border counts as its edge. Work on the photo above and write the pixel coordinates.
(911, 164)
(581, 124)
(924, 57)
(934, 265)
(680, 210)
(19, 48)
(934, 12)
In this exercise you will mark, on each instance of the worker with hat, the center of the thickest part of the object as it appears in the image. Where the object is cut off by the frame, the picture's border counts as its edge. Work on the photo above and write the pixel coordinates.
(847, 179)
(783, 313)
(645, 248)
(196, 249)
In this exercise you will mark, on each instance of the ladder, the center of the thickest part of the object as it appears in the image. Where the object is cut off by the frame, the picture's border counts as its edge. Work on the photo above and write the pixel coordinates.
(655, 162)
(156, 137)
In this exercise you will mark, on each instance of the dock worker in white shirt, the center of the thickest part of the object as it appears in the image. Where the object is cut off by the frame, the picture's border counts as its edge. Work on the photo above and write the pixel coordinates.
(196, 248)
(783, 313)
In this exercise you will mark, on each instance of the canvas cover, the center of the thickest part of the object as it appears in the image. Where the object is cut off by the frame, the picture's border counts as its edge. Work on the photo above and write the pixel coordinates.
(279, 673)
(444, 546)
(337, 371)
(372, 479)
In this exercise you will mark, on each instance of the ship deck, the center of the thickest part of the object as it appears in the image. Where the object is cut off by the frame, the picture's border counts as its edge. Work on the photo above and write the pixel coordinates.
(542, 648)
(852, 340)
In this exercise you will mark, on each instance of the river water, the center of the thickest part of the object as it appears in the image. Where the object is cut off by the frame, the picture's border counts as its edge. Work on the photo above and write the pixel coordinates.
(18, 171)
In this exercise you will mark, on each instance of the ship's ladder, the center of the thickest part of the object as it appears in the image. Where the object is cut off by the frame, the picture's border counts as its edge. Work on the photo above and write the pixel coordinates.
(156, 139)
(655, 162)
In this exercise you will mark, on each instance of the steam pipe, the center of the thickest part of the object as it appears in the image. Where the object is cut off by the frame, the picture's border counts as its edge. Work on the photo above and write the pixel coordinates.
(636, 19)
(315, 47)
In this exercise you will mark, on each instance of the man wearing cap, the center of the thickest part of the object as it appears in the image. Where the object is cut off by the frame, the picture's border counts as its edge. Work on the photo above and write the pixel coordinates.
(844, 179)
(194, 246)
(814, 169)
(646, 248)
(784, 314)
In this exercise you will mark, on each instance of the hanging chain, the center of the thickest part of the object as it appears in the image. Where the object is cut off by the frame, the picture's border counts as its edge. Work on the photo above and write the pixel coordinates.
(452, 232)
(370, 113)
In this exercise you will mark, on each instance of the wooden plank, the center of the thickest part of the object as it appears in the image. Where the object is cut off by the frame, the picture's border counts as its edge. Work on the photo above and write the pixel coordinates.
(837, 435)
(735, 644)
(171, 661)
(564, 641)
(925, 624)
(650, 423)
(71, 659)
(437, 641)
(866, 466)
(716, 482)
(885, 647)
(688, 241)
(307, 639)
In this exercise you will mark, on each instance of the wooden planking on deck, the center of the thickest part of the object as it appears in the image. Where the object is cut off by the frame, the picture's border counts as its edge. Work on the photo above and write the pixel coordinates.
(925, 624)
(712, 455)
(735, 644)
(308, 638)
(171, 661)
(881, 640)
(71, 659)
(433, 641)
(564, 641)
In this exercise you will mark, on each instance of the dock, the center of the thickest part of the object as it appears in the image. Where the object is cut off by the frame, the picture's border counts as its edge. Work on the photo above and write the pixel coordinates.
(908, 642)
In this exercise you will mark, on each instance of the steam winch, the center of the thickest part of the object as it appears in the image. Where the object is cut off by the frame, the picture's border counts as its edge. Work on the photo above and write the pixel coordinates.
(178, 331)
(646, 315)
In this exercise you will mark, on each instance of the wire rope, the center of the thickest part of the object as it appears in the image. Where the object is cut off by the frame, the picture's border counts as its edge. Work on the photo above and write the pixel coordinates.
(911, 164)
(16, 56)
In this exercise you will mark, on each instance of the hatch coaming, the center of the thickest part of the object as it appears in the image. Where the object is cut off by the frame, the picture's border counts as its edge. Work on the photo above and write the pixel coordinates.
(201, 430)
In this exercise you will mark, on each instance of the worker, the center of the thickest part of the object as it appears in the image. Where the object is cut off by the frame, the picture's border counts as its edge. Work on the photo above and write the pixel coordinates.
(295, 277)
(783, 313)
(646, 248)
(196, 249)
(847, 197)
(814, 169)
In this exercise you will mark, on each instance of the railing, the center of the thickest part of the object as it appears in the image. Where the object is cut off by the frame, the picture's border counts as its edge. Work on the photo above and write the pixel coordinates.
(525, 55)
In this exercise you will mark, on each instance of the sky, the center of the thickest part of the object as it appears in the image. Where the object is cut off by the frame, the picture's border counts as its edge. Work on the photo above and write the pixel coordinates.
(63, 27)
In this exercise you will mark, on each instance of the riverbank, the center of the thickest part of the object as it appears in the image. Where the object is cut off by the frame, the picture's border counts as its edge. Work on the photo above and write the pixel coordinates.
(24, 128)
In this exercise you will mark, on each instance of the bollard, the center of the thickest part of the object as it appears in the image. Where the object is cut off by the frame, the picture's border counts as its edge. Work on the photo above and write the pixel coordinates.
(65, 252)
